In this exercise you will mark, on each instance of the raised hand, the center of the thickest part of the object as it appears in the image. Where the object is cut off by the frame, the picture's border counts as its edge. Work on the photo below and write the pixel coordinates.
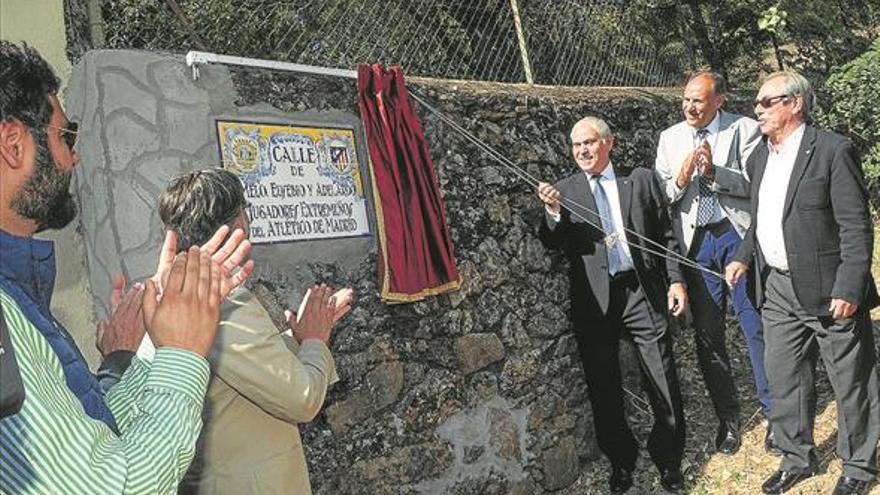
(550, 196)
(316, 315)
(189, 310)
(705, 160)
(342, 300)
(687, 169)
(229, 254)
(124, 328)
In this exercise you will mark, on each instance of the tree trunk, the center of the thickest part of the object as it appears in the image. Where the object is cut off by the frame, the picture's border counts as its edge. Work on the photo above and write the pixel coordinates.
(698, 28)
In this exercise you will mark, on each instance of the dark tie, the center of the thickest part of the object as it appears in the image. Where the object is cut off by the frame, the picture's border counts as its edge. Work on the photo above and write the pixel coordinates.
(708, 200)
(603, 207)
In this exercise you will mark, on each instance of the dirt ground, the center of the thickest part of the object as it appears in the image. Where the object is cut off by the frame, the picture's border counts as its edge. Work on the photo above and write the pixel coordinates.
(708, 473)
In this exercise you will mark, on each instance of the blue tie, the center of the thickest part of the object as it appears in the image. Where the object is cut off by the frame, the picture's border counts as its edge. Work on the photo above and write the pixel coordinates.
(603, 207)
(708, 200)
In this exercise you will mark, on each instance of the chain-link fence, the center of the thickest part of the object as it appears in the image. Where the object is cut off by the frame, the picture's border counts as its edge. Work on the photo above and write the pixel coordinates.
(557, 42)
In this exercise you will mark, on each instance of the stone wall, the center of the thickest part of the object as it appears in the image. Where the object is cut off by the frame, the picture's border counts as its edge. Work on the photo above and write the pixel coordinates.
(478, 391)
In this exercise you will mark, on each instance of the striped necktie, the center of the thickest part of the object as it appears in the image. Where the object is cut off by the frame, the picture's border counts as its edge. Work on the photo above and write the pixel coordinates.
(708, 202)
(603, 207)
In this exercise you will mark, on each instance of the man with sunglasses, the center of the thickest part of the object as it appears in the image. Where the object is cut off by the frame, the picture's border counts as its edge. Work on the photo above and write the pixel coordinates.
(68, 437)
(700, 162)
(811, 239)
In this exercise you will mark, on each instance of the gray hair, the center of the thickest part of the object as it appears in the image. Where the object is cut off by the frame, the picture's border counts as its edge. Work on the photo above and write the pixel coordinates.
(796, 85)
(596, 123)
(198, 203)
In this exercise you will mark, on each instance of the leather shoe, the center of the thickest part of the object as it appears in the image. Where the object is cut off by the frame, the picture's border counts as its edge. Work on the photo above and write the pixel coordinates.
(782, 481)
(770, 445)
(672, 480)
(851, 486)
(621, 480)
(728, 439)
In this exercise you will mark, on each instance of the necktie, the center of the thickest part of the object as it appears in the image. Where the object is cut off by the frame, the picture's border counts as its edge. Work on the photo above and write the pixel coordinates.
(708, 202)
(603, 207)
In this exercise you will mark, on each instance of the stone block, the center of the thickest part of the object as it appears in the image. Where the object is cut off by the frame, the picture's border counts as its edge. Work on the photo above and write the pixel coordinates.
(503, 434)
(478, 350)
(381, 388)
(560, 465)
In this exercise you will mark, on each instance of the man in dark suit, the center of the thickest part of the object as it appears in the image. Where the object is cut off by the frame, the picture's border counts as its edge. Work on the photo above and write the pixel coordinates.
(618, 289)
(812, 237)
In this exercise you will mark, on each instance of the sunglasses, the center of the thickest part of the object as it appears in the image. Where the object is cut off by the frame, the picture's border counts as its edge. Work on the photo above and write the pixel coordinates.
(69, 133)
(769, 101)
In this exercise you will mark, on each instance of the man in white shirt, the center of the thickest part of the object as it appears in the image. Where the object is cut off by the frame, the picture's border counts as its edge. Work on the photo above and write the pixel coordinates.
(700, 162)
(602, 221)
(811, 240)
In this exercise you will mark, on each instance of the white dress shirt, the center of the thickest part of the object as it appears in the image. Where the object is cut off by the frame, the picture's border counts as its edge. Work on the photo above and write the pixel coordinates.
(712, 137)
(771, 198)
(608, 180)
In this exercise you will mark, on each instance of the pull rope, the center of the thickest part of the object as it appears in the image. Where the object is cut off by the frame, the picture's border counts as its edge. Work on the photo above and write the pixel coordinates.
(572, 205)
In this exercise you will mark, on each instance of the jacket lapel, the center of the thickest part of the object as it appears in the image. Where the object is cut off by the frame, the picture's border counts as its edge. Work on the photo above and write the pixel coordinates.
(724, 138)
(805, 152)
(624, 190)
(584, 197)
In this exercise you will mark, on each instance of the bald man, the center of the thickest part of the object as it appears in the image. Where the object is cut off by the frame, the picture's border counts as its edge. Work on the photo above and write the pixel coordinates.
(600, 218)
(700, 162)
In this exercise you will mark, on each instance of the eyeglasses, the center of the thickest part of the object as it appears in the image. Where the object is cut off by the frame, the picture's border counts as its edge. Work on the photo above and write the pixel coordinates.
(769, 101)
(69, 133)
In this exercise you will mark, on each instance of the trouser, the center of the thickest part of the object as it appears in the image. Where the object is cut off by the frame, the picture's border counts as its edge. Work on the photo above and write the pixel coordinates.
(714, 247)
(794, 341)
(631, 316)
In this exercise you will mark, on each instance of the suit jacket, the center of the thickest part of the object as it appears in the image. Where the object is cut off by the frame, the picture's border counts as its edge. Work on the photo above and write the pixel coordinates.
(644, 210)
(826, 224)
(737, 138)
(262, 384)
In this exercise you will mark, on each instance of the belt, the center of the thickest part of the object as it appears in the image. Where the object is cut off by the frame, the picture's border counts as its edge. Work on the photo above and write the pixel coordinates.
(623, 276)
(718, 227)
(785, 273)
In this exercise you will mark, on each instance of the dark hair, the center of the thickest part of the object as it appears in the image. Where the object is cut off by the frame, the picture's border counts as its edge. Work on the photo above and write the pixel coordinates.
(26, 81)
(719, 84)
(198, 203)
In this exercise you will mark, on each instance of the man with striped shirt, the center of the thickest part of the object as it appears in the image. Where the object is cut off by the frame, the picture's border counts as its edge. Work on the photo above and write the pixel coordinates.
(67, 437)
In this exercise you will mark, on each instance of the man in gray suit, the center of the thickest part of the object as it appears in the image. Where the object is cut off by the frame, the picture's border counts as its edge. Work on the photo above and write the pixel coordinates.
(700, 164)
(811, 242)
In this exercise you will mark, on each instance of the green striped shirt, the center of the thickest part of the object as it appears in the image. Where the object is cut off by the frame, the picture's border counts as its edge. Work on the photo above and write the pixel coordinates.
(52, 446)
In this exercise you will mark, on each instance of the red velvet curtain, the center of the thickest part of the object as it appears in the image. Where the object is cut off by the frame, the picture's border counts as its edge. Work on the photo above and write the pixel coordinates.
(415, 249)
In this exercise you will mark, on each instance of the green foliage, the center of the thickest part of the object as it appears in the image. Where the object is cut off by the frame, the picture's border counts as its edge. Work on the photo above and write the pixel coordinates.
(854, 93)
(822, 35)
(773, 21)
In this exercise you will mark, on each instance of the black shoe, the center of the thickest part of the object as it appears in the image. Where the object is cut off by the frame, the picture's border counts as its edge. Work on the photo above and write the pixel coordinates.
(621, 480)
(770, 445)
(672, 480)
(782, 481)
(728, 439)
(850, 486)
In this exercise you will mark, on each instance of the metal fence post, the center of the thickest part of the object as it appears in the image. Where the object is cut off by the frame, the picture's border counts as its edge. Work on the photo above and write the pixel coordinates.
(96, 24)
(523, 49)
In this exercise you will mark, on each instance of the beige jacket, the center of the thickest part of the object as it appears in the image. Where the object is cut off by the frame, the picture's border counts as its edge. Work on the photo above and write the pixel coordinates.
(731, 180)
(262, 385)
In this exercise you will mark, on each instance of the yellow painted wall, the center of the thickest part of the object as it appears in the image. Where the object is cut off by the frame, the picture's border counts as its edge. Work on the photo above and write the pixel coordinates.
(41, 24)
